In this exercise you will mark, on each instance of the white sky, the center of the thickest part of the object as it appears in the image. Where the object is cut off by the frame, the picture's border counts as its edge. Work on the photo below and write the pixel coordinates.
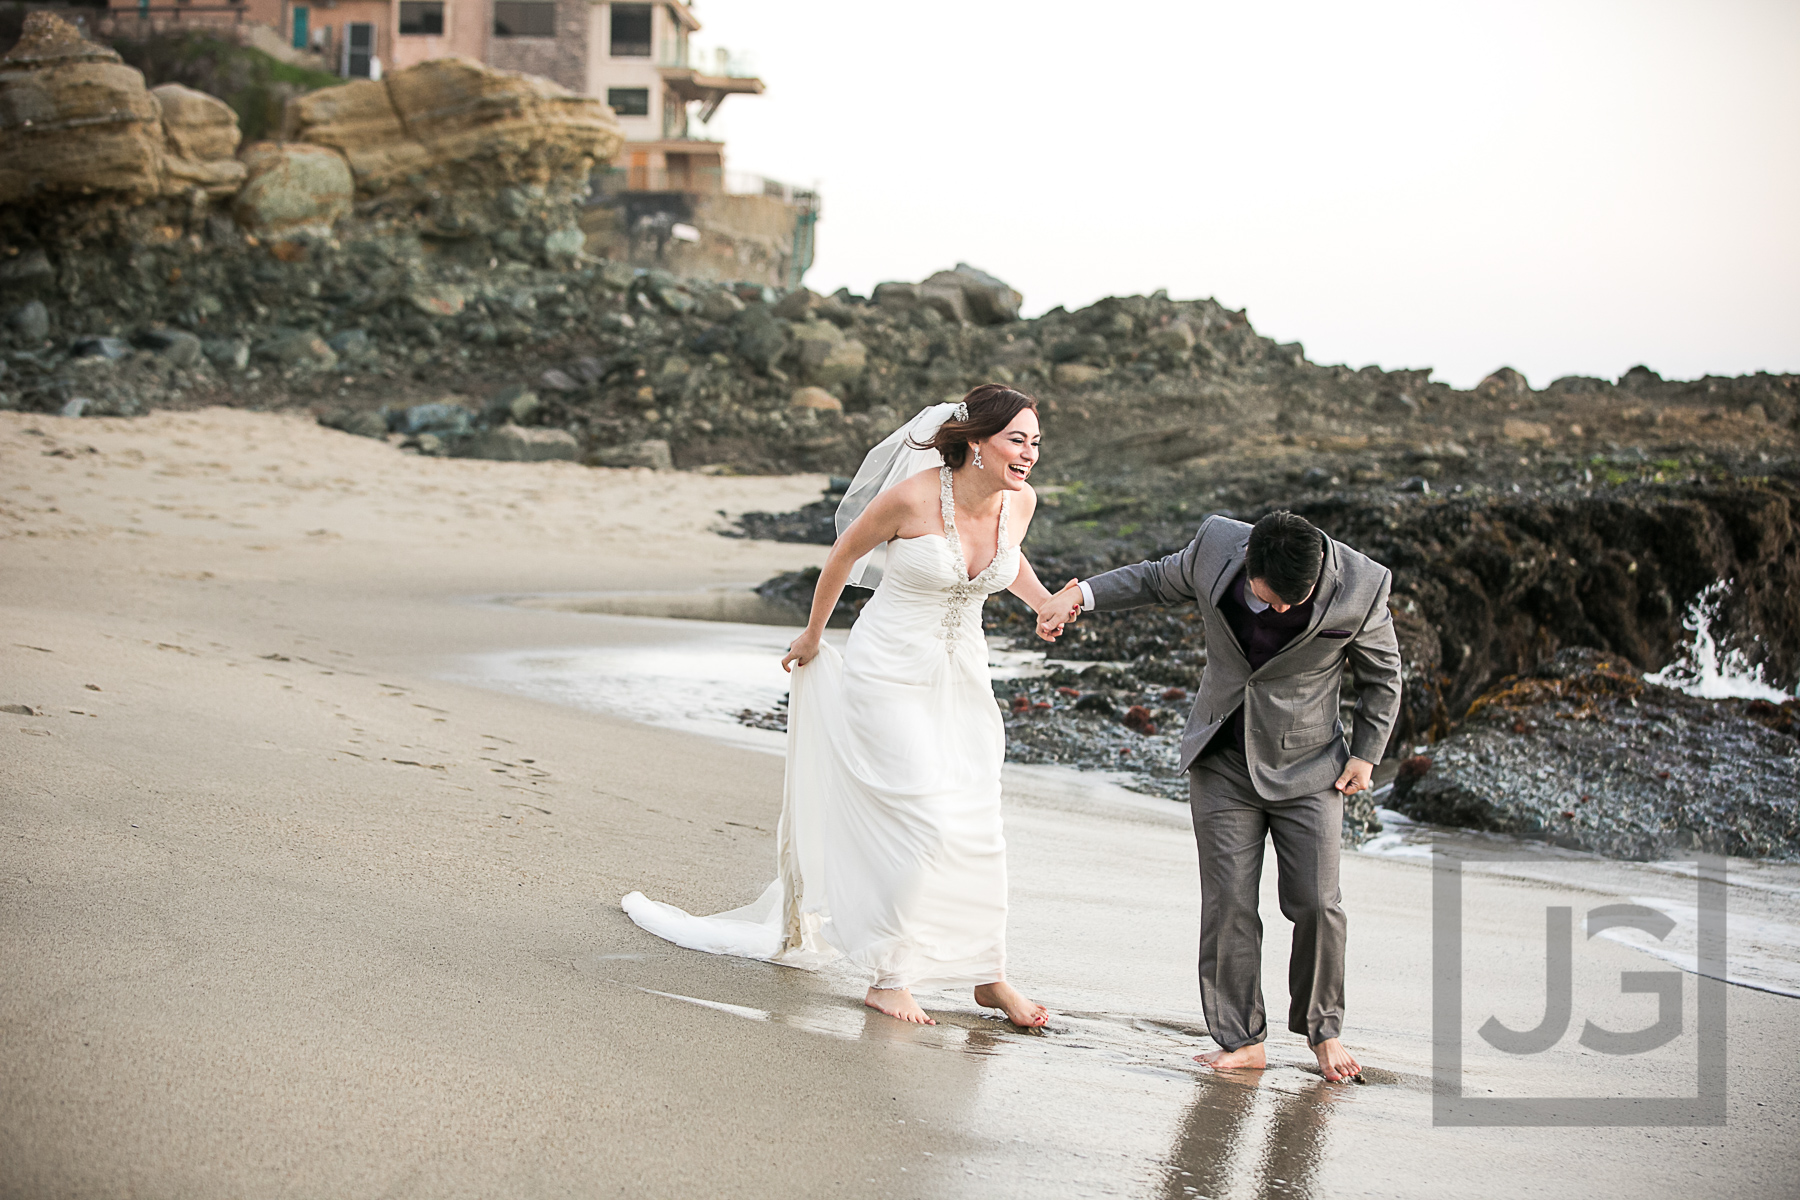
(1562, 186)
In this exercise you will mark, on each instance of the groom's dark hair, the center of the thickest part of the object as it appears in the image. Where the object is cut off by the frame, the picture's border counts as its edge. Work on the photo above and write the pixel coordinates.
(1285, 552)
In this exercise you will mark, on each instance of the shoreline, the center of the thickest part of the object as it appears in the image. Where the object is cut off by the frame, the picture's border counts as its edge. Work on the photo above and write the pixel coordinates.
(289, 913)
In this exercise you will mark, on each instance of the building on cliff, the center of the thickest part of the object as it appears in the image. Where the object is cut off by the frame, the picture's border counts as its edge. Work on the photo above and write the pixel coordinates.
(667, 200)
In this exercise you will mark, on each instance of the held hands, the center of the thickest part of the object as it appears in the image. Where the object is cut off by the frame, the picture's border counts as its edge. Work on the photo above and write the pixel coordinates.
(1356, 777)
(801, 650)
(1058, 611)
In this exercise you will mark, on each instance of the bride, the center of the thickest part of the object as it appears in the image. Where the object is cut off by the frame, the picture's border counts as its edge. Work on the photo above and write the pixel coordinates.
(890, 846)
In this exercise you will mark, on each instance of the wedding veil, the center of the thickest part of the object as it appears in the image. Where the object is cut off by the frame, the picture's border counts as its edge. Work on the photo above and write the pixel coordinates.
(886, 465)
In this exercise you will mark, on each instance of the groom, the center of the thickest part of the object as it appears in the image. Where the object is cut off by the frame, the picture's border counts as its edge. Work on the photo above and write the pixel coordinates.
(1287, 609)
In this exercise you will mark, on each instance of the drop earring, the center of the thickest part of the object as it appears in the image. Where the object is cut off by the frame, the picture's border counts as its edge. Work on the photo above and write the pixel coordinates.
(978, 458)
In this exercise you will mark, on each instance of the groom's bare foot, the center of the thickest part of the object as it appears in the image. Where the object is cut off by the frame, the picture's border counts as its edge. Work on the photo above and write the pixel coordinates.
(1026, 1014)
(897, 1002)
(1244, 1058)
(1335, 1062)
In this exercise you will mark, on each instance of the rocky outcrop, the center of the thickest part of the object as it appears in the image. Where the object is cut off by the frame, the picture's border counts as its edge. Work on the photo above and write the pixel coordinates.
(74, 120)
(492, 161)
(466, 151)
(1584, 753)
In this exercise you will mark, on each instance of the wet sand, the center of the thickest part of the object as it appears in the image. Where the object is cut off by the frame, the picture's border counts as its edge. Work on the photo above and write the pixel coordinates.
(290, 908)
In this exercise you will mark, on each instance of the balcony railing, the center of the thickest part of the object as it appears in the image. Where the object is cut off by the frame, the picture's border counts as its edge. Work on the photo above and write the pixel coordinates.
(704, 180)
(706, 62)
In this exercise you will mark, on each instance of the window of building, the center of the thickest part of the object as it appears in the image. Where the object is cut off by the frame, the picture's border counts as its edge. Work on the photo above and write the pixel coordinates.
(424, 17)
(629, 102)
(525, 18)
(631, 31)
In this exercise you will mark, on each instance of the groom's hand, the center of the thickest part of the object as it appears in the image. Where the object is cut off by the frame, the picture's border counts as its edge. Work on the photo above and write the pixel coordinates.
(1357, 777)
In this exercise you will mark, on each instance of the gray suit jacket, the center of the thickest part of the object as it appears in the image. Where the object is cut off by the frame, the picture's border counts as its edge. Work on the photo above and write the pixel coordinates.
(1293, 739)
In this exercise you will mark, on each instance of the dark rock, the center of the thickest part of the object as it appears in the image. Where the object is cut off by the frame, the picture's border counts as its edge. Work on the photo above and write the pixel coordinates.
(226, 352)
(177, 345)
(1584, 753)
(1578, 385)
(761, 337)
(1399, 404)
(617, 275)
(1502, 383)
(297, 348)
(1639, 376)
(896, 297)
(675, 299)
(99, 347)
(719, 305)
(1095, 703)
(652, 453)
(351, 345)
(991, 301)
(510, 443)
(516, 404)
(1089, 346)
(794, 591)
(361, 422)
(441, 418)
(947, 300)
(797, 304)
(30, 322)
(27, 272)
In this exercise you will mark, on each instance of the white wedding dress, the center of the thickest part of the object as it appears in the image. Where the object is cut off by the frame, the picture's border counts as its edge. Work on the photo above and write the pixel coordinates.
(890, 846)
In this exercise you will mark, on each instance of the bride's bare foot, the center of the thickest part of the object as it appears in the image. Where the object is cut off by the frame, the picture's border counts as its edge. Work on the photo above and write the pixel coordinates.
(1335, 1062)
(897, 1002)
(1244, 1058)
(1024, 1013)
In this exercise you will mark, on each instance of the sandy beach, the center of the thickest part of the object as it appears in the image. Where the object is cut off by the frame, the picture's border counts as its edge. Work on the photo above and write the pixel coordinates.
(292, 906)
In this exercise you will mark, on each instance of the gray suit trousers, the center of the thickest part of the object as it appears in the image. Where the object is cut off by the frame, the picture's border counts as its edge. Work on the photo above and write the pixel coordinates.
(1230, 822)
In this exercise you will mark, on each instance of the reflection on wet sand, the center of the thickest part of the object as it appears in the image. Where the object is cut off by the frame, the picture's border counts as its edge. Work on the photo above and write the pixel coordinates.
(1250, 1134)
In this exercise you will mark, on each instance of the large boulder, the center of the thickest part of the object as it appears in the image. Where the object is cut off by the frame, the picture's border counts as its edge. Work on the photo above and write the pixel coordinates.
(358, 120)
(196, 125)
(962, 296)
(74, 119)
(990, 301)
(454, 117)
(200, 135)
(293, 189)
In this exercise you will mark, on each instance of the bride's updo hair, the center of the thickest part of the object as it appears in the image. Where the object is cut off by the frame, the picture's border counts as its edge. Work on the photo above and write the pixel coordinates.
(992, 407)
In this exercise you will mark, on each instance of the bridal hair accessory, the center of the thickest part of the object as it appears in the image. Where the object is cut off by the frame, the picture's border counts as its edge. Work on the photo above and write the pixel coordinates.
(896, 458)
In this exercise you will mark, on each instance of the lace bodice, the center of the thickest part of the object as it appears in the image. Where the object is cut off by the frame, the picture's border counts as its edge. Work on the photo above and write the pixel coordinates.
(966, 592)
